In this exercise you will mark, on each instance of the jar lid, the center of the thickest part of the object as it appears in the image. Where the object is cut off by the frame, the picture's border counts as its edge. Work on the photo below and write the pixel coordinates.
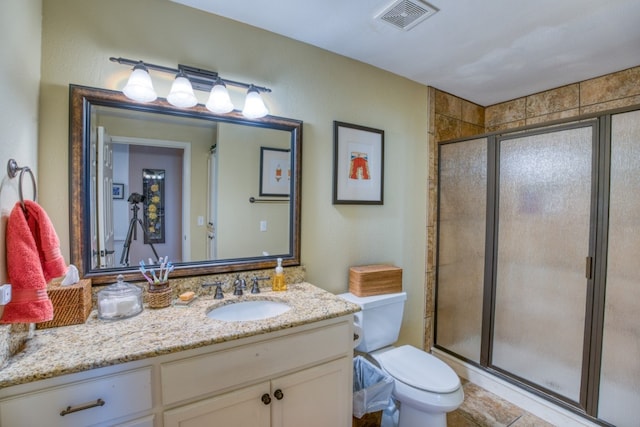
(120, 289)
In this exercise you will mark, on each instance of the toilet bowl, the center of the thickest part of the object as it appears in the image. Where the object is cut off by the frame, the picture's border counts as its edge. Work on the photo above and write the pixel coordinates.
(426, 387)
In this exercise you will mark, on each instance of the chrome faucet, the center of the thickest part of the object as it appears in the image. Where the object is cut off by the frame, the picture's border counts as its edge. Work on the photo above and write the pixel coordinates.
(239, 285)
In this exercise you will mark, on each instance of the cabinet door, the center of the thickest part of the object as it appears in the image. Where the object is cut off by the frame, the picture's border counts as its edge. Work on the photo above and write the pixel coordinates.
(240, 408)
(316, 397)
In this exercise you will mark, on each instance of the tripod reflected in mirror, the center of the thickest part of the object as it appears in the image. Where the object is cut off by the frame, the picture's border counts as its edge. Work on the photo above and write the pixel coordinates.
(132, 234)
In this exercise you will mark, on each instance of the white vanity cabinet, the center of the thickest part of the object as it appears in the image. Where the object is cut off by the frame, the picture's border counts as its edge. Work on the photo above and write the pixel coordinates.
(303, 378)
(300, 376)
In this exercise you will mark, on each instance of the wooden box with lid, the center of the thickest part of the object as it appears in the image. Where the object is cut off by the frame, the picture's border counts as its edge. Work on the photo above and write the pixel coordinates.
(375, 279)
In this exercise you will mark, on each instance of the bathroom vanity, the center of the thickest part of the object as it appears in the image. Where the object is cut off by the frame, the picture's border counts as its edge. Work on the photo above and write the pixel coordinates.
(175, 365)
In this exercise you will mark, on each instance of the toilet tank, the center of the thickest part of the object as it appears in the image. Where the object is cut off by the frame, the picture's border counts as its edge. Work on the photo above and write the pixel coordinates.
(379, 320)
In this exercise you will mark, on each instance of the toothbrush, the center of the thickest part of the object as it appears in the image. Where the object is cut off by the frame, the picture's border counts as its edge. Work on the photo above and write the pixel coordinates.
(155, 278)
(143, 270)
(161, 268)
(168, 270)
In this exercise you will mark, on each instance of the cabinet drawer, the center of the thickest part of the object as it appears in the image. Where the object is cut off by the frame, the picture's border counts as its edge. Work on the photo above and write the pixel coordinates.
(200, 375)
(123, 394)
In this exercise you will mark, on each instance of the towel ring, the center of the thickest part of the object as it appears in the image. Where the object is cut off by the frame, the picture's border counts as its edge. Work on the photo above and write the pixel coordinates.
(12, 171)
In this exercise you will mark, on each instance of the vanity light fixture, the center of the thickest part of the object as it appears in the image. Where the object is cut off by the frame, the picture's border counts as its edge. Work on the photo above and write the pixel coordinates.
(253, 105)
(219, 100)
(181, 94)
(140, 88)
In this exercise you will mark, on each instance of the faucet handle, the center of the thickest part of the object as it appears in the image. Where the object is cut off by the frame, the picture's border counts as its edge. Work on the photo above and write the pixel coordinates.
(239, 284)
(255, 289)
(218, 293)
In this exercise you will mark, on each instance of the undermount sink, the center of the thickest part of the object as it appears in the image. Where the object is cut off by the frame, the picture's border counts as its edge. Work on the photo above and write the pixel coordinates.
(248, 310)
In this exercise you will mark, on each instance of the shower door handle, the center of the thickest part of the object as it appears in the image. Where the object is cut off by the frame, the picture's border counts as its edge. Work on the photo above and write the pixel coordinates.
(589, 268)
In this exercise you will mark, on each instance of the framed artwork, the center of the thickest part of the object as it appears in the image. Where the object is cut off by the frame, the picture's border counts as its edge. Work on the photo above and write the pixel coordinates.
(118, 191)
(275, 172)
(153, 204)
(358, 164)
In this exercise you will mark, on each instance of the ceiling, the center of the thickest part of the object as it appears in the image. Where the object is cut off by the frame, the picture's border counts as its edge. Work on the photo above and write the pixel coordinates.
(483, 51)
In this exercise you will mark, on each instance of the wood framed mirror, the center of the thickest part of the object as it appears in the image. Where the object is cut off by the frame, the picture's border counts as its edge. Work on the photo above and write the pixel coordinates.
(149, 180)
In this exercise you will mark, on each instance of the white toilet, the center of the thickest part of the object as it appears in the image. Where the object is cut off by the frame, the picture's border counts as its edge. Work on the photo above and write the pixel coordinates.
(426, 387)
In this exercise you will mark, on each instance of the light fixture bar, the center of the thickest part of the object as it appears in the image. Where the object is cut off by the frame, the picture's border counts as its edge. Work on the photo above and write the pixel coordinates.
(201, 79)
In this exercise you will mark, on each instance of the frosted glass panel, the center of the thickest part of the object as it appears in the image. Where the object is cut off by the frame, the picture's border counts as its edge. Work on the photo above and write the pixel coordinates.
(543, 240)
(462, 223)
(620, 376)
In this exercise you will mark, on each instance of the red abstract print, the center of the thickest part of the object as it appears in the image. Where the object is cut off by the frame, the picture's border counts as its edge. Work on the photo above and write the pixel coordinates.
(359, 166)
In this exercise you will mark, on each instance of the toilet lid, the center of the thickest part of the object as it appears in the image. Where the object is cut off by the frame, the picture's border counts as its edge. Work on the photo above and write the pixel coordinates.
(419, 369)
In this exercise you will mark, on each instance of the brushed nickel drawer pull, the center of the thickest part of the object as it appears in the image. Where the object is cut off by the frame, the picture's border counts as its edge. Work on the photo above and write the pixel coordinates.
(78, 408)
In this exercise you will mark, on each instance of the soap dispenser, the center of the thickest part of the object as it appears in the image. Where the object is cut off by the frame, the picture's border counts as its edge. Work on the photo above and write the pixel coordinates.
(278, 278)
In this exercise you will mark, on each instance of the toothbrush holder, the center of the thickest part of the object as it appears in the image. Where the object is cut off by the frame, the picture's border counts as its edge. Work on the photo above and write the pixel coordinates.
(159, 295)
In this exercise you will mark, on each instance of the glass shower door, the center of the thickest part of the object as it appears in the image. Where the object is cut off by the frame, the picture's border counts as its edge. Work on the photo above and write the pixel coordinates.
(543, 238)
(620, 368)
(461, 246)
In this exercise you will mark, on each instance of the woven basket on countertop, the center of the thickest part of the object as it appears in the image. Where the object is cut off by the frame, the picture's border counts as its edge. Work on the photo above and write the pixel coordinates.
(71, 304)
(159, 296)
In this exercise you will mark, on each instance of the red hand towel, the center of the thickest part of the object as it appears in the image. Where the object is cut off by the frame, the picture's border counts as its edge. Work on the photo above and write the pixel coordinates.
(33, 258)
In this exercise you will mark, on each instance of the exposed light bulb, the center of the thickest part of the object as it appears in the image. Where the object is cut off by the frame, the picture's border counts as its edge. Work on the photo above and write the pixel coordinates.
(181, 94)
(219, 101)
(139, 86)
(254, 107)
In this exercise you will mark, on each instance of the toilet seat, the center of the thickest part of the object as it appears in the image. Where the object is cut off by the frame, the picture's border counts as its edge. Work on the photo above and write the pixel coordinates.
(419, 369)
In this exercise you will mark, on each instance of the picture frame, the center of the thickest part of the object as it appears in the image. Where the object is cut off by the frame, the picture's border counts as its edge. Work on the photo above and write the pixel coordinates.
(118, 191)
(153, 183)
(358, 164)
(275, 172)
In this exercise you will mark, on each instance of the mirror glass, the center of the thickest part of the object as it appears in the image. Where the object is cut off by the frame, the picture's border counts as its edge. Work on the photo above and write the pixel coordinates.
(212, 193)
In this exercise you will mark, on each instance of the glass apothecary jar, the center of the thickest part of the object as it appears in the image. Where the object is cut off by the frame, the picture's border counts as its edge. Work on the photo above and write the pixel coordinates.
(119, 301)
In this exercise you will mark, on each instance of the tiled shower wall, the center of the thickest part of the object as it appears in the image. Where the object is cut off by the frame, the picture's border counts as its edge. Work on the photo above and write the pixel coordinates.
(452, 117)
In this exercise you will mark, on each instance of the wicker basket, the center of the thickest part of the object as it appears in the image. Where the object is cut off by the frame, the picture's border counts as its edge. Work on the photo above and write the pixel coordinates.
(159, 296)
(71, 304)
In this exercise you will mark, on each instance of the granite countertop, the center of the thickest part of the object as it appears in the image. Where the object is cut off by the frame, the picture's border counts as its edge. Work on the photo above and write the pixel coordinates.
(96, 343)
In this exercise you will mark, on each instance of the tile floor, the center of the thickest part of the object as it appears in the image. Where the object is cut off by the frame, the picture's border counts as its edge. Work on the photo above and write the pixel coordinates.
(484, 409)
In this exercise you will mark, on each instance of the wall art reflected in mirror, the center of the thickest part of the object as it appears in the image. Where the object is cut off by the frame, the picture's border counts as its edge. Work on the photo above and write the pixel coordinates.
(150, 180)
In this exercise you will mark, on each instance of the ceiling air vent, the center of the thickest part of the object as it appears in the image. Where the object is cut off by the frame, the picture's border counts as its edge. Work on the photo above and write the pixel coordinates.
(406, 14)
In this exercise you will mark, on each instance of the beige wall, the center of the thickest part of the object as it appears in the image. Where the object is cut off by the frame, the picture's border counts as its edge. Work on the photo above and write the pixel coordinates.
(20, 30)
(310, 84)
